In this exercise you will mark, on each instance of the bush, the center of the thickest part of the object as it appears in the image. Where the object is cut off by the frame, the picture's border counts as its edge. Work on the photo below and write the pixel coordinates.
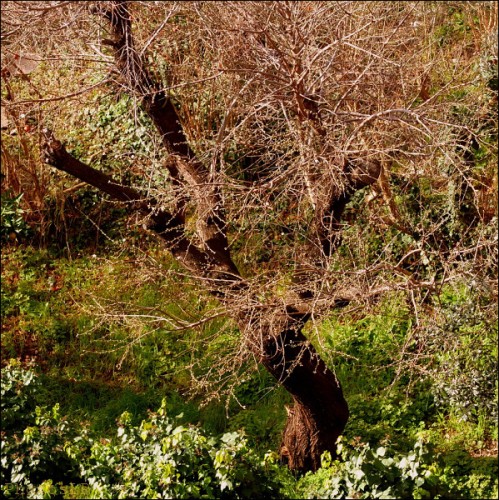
(464, 353)
(12, 223)
(365, 472)
(159, 459)
(33, 440)
(369, 473)
(43, 455)
(31, 464)
(18, 389)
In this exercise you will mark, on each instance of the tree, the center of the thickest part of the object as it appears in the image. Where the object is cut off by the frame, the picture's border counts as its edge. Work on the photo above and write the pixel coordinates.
(293, 135)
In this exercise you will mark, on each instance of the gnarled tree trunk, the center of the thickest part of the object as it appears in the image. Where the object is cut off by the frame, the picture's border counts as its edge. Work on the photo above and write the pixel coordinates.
(319, 412)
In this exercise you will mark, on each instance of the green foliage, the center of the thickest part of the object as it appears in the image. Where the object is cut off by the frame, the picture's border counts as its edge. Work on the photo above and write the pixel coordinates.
(395, 416)
(123, 141)
(34, 460)
(12, 223)
(363, 348)
(18, 389)
(453, 29)
(369, 473)
(384, 403)
(158, 458)
(263, 413)
(32, 304)
(39, 458)
(365, 472)
(464, 334)
(457, 349)
(161, 459)
(464, 352)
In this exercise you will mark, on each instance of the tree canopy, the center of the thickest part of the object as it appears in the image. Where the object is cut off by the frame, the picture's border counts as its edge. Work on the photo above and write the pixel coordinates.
(298, 159)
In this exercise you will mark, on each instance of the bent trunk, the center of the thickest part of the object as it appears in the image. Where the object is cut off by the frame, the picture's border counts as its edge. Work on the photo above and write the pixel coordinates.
(319, 412)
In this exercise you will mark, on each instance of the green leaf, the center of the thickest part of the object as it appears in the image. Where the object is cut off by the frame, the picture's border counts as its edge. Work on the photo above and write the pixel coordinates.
(359, 474)
(18, 477)
(226, 484)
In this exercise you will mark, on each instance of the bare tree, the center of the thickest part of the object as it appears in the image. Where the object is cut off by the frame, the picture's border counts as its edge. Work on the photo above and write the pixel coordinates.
(275, 118)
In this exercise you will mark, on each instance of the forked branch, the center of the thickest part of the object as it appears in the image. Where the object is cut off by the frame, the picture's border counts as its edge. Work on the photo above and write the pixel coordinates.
(169, 226)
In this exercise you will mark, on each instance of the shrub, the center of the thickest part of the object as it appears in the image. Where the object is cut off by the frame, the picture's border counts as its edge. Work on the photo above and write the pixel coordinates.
(159, 459)
(43, 455)
(33, 440)
(374, 473)
(365, 472)
(464, 349)
(31, 464)
(18, 388)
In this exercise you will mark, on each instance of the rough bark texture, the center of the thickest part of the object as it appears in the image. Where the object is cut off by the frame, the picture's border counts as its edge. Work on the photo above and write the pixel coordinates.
(319, 413)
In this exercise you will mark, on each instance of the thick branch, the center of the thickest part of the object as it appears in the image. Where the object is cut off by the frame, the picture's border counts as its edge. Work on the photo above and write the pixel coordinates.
(157, 104)
(170, 227)
(359, 174)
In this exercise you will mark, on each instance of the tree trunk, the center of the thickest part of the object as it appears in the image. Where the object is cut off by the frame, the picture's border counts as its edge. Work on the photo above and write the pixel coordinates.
(319, 412)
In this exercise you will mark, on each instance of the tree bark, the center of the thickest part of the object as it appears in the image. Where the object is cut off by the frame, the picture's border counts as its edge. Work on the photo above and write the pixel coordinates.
(319, 412)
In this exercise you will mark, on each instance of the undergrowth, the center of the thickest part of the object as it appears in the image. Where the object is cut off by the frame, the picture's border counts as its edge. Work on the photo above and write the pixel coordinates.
(65, 387)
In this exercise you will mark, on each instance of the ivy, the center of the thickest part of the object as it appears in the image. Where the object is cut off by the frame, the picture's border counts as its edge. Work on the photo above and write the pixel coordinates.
(44, 455)
(365, 472)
